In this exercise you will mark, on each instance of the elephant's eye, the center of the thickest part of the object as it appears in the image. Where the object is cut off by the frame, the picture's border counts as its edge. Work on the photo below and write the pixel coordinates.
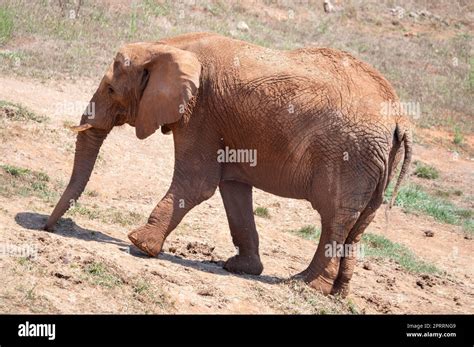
(110, 90)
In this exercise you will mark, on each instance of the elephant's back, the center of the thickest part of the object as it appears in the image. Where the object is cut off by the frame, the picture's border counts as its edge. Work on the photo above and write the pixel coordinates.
(360, 88)
(344, 67)
(328, 78)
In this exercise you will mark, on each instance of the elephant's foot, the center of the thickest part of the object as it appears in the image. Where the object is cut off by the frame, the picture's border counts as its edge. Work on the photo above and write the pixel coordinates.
(320, 283)
(244, 264)
(318, 279)
(147, 239)
(300, 275)
(341, 289)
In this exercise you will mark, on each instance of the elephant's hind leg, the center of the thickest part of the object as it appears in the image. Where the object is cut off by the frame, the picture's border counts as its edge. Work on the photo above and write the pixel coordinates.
(348, 261)
(323, 269)
(346, 268)
(237, 199)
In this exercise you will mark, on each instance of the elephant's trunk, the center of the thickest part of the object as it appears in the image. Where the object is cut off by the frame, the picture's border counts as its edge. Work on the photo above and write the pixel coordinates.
(88, 144)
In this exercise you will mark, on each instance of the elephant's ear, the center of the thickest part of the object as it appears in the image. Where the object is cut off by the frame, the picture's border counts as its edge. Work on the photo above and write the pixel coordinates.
(173, 79)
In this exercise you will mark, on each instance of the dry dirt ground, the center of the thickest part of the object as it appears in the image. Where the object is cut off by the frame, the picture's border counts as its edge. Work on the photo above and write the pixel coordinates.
(86, 266)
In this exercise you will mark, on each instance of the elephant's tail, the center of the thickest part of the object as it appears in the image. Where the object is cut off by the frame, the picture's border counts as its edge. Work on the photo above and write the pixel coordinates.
(405, 137)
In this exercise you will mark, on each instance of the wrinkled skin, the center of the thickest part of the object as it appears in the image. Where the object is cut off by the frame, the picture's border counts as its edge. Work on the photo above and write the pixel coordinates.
(313, 116)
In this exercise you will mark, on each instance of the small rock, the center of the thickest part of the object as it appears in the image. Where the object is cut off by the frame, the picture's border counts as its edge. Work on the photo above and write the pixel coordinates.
(328, 7)
(60, 275)
(242, 26)
(172, 249)
(65, 259)
(420, 284)
(428, 233)
(468, 237)
(367, 266)
(205, 292)
(424, 13)
(413, 15)
(398, 11)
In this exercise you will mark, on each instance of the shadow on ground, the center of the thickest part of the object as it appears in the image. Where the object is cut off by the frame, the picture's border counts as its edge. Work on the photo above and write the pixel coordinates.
(68, 228)
(65, 227)
(214, 267)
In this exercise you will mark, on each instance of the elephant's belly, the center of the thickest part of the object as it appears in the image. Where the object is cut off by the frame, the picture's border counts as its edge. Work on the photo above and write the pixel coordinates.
(289, 181)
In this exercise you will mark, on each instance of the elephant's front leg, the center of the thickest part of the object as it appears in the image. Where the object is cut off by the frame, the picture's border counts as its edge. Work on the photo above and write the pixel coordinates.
(237, 199)
(182, 196)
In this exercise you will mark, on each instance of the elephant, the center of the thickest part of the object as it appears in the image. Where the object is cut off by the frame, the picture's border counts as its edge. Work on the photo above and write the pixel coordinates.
(316, 118)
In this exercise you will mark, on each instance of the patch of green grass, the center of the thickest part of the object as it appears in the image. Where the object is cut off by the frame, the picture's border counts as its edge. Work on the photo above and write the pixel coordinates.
(99, 274)
(151, 296)
(458, 136)
(6, 24)
(23, 261)
(156, 9)
(12, 56)
(352, 306)
(124, 218)
(141, 287)
(426, 171)
(84, 211)
(17, 112)
(308, 232)
(21, 181)
(414, 198)
(133, 21)
(109, 215)
(262, 212)
(15, 171)
(381, 247)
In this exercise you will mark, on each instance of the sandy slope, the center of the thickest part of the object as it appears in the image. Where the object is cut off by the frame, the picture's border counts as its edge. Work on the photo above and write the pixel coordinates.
(188, 277)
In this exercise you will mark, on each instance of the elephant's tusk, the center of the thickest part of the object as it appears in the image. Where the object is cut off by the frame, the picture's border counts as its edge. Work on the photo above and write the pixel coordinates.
(79, 128)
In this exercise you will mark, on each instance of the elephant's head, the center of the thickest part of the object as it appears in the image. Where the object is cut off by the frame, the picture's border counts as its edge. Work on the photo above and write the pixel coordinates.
(148, 85)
